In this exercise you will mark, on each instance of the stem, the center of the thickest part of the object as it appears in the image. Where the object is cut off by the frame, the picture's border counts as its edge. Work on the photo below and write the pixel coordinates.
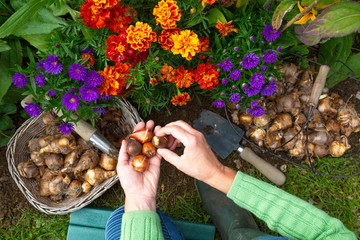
(1, 132)
(300, 15)
(266, 3)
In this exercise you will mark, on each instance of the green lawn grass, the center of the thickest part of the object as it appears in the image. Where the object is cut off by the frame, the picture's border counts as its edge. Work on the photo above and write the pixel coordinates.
(340, 198)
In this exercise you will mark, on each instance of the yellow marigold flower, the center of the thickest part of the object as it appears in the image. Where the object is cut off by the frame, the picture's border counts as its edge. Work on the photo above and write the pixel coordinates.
(181, 99)
(225, 28)
(207, 1)
(186, 43)
(167, 13)
(140, 36)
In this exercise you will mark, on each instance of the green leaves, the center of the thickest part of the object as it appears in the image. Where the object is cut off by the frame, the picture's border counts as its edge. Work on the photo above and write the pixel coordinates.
(6, 123)
(284, 7)
(337, 20)
(214, 15)
(20, 17)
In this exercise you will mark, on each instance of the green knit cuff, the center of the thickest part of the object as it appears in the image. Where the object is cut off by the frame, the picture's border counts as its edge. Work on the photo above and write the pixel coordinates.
(141, 225)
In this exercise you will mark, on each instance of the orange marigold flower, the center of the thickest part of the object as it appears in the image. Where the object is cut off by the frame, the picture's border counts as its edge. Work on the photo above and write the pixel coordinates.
(182, 77)
(225, 28)
(91, 60)
(93, 16)
(207, 1)
(207, 76)
(165, 38)
(115, 79)
(167, 13)
(140, 36)
(204, 46)
(104, 4)
(181, 99)
(118, 20)
(186, 43)
(167, 72)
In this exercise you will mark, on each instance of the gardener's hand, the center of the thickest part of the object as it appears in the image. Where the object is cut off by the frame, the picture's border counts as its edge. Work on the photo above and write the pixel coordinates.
(139, 187)
(198, 160)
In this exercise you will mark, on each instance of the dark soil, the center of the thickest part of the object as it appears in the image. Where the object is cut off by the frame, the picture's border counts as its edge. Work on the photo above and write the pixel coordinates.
(12, 200)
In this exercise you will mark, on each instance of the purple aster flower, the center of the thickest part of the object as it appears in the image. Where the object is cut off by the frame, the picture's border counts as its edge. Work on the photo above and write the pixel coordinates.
(226, 64)
(51, 92)
(272, 79)
(238, 106)
(257, 80)
(72, 89)
(94, 78)
(224, 81)
(236, 48)
(279, 49)
(235, 74)
(32, 109)
(219, 103)
(222, 94)
(237, 40)
(254, 104)
(66, 128)
(268, 8)
(40, 65)
(89, 93)
(77, 72)
(268, 89)
(52, 65)
(40, 80)
(263, 68)
(257, 111)
(252, 38)
(225, 50)
(57, 45)
(19, 80)
(100, 111)
(250, 61)
(269, 56)
(234, 87)
(251, 91)
(234, 97)
(262, 42)
(104, 96)
(71, 101)
(269, 33)
(87, 50)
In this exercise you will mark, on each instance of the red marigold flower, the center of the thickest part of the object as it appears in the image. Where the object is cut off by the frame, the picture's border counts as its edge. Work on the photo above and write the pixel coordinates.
(116, 47)
(225, 28)
(207, 1)
(165, 38)
(140, 36)
(104, 4)
(118, 20)
(91, 60)
(207, 76)
(115, 79)
(167, 13)
(181, 99)
(182, 77)
(93, 16)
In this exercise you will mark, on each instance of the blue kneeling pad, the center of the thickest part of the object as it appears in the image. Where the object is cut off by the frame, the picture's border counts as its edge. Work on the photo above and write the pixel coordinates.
(89, 224)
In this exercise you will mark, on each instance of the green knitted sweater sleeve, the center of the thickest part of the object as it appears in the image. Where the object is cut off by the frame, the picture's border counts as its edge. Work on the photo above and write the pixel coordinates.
(141, 225)
(285, 213)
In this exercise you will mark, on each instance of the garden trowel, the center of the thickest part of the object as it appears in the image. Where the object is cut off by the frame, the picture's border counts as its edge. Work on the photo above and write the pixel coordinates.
(224, 138)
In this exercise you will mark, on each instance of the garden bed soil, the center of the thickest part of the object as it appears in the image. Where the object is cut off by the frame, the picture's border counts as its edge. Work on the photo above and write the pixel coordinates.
(12, 200)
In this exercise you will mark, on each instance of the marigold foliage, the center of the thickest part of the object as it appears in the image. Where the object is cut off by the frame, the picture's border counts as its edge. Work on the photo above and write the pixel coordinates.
(167, 13)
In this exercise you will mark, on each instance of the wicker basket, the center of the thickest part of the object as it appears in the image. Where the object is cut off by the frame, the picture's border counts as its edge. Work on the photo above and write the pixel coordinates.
(17, 152)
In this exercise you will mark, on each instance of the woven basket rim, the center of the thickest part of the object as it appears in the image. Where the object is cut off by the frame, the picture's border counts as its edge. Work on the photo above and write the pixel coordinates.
(130, 116)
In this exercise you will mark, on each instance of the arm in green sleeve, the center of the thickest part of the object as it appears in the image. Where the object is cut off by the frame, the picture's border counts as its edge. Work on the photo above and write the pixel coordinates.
(141, 225)
(285, 213)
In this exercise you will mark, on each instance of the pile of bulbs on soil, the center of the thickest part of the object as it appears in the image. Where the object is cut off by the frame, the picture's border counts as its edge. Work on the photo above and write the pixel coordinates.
(330, 124)
(66, 165)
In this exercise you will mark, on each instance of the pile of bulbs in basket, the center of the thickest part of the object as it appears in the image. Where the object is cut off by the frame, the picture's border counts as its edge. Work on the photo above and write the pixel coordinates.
(329, 127)
(65, 165)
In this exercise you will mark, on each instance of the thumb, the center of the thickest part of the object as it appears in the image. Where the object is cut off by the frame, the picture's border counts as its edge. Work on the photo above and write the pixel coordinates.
(168, 155)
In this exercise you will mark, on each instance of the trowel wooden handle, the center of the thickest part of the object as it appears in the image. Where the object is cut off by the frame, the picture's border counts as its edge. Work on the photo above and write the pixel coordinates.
(81, 127)
(269, 171)
(319, 85)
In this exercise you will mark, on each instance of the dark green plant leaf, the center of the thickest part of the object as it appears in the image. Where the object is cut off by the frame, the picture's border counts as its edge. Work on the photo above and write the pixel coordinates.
(20, 17)
(8, 108)
(39, 41)
(284, 7)
(3, 46)
(335, 49)
(320, 4)
(337, 20)
(5, 137)
(242, 3)
(6, 7)
(353, 63)
(6, 80)
(5, 122)
(214, 15)
(307, 40)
